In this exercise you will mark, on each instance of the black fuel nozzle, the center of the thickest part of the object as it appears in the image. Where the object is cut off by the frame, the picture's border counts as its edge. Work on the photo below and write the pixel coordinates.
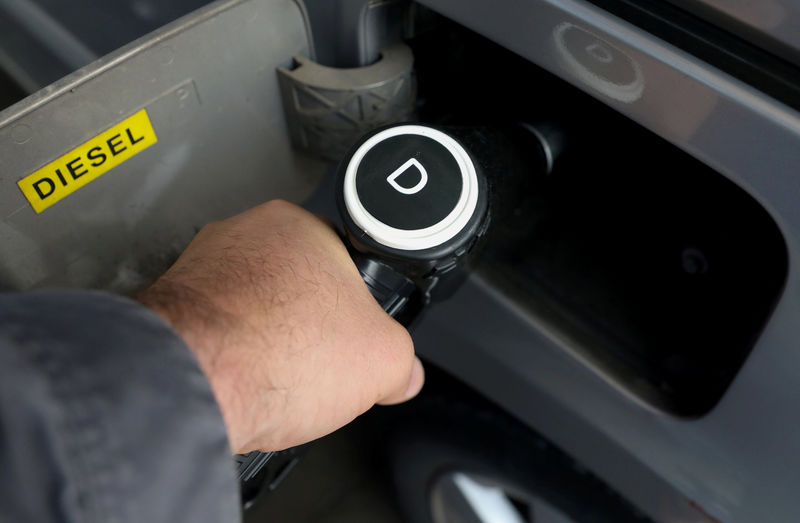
(414, 203)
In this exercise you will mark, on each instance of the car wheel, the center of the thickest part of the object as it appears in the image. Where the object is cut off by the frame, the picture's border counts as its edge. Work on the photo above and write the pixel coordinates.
(456, 462)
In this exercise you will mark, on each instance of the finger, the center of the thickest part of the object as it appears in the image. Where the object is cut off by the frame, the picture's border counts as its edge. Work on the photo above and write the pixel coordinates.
(415, 382)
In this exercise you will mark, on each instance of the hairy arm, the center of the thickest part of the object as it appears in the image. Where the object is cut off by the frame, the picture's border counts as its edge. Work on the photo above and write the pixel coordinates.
(293, 343)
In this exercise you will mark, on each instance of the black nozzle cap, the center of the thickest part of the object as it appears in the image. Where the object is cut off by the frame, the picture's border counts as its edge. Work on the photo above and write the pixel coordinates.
(411, 192)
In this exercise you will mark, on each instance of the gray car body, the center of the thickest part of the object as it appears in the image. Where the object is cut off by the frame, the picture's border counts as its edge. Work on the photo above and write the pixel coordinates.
(740, 462)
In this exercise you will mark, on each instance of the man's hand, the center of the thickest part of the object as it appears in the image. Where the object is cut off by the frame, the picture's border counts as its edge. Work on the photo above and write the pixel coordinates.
(283, 326)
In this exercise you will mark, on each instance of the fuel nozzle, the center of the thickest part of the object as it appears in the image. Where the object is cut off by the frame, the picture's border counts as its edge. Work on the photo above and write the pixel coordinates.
(414, 201)
(414, 205)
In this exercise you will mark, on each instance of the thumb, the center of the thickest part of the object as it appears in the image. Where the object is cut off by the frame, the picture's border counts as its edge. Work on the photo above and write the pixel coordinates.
(415, 382)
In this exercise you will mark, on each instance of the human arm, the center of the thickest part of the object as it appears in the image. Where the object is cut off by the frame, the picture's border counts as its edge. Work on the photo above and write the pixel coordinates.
(292, 341)
(105, 412)
(105, 416)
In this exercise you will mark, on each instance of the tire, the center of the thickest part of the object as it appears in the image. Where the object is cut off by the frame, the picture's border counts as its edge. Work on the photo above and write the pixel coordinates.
(442, 449)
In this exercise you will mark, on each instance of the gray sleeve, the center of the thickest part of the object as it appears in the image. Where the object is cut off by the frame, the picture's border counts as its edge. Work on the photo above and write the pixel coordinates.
(106, 417)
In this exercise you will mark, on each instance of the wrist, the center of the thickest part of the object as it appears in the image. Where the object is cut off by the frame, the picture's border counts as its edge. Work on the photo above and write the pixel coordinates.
(198, 322)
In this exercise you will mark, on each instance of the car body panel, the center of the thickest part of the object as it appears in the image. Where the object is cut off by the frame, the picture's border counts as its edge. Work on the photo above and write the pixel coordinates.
(739, 462)
(221, 149)
(773, 24)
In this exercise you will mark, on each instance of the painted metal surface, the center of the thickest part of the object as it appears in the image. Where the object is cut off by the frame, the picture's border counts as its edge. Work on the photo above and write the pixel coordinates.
(212, 76)
(209, 85)
(774, 24)
(741, 462)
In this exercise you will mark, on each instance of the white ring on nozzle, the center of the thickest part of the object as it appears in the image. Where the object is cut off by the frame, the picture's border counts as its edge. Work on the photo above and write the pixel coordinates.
(418, 239)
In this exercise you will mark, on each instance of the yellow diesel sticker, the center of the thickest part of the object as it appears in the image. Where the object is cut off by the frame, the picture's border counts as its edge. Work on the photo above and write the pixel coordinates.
(88, 161)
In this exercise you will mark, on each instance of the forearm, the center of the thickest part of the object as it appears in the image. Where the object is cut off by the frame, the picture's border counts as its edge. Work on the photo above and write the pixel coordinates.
(291, 339)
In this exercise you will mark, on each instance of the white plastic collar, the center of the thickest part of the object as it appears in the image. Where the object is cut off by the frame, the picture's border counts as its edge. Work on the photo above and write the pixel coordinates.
(418, 239)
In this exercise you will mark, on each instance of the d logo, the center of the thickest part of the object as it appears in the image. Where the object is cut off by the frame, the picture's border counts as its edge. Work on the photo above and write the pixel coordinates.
(423, 180)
